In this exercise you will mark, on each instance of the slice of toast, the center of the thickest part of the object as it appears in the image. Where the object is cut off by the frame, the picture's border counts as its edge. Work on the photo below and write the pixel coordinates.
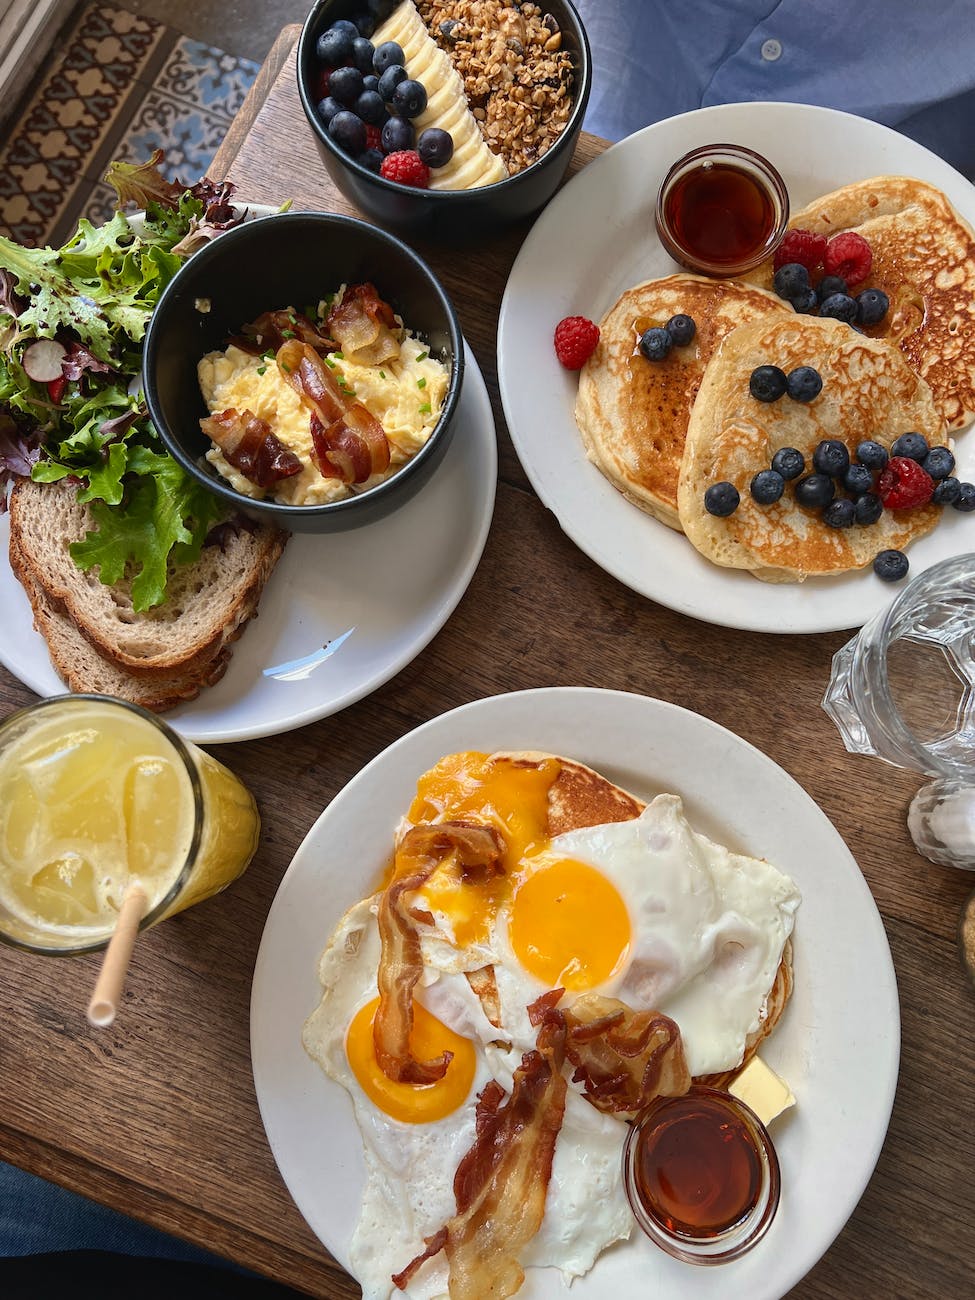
(82, 668)
(207, 602)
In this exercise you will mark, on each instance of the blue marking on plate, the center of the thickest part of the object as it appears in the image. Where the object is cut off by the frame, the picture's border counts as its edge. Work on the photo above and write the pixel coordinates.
(296, 670)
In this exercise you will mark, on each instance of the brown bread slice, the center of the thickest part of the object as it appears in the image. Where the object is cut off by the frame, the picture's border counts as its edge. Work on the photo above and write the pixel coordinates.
(82, 668)
(207, 604)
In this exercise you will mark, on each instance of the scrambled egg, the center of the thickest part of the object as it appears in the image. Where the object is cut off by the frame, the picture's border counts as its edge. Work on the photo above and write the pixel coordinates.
(405, 395)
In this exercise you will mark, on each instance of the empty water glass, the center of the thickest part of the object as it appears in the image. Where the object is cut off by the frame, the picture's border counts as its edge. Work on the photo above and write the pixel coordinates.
(903, 690)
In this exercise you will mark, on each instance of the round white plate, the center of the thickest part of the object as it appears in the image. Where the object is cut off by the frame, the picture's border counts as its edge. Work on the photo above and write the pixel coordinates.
(596, 239)
(837, 1045)
(341, 614)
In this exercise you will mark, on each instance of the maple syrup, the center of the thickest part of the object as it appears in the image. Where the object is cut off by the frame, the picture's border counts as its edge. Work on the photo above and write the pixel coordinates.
(721, 210)
(701, 1175)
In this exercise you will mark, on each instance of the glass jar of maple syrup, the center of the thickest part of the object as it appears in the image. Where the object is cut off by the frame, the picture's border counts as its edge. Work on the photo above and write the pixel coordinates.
(701, 1175)
(721, 210)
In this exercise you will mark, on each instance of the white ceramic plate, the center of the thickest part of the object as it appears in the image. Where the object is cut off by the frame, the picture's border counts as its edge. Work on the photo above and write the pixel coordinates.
(596, 239)
(839, 1051)
(342, 613)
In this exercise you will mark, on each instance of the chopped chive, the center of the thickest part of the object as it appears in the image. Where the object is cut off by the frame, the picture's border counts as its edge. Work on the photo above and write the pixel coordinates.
(421, 383)
(423, 356)
(293, 318)
(382, 374)
(286, 369)
(288, 334)
(330, 363)
(261, 370)
(339, 356)
(425, 408)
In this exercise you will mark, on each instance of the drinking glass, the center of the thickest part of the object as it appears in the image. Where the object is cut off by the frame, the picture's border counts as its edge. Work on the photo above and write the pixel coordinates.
(903, 690)
(96, 795)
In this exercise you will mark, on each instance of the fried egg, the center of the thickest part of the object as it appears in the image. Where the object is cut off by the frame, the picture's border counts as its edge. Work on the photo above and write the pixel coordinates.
(415, 1136)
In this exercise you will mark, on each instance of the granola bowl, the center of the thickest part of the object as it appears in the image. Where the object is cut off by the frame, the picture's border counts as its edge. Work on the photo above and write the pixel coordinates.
(510, 97)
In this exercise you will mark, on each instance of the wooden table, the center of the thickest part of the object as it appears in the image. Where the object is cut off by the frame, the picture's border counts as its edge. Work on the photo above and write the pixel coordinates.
(157, 1116)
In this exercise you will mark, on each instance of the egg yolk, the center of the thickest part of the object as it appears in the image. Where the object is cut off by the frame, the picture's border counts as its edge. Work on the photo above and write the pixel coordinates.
(569, 926)
(412, 1103)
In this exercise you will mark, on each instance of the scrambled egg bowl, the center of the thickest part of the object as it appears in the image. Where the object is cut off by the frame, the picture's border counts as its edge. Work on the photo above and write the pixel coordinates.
(405, 394)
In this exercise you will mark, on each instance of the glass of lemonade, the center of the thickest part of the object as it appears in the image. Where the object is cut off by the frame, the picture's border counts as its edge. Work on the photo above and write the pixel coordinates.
(97, 794)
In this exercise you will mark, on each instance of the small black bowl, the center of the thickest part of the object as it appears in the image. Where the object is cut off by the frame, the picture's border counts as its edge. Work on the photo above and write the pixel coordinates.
(450, 216)
(279, 261)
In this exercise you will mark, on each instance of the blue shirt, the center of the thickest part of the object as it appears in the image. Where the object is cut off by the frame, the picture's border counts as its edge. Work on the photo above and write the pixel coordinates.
(907, 64)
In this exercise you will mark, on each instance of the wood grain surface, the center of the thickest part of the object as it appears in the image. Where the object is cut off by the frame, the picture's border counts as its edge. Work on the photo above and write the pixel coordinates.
(157, 1116)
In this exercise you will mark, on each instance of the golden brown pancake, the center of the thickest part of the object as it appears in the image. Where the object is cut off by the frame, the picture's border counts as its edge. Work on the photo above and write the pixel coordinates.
(924, 260)
(633, 413)
(869, 391)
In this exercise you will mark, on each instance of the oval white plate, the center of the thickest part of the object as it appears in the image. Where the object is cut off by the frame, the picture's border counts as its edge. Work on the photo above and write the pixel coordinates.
(596, 239)
(838, 1043)
(341, 614)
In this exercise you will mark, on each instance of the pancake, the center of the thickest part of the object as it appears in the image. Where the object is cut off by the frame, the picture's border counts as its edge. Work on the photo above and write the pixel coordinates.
(869, 391)
(924, 260)
(633, 413)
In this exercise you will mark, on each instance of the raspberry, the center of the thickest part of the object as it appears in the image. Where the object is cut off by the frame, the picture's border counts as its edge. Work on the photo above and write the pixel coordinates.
(407, 167)
(800, 246)
(575, 341)
(374, 137)
(848, 255)
(904, 484)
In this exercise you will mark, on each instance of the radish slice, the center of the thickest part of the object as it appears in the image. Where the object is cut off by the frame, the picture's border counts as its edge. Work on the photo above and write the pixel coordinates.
(42, 360)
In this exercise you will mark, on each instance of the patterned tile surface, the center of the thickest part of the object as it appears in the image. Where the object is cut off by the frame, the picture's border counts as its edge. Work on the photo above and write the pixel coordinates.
(120, 87)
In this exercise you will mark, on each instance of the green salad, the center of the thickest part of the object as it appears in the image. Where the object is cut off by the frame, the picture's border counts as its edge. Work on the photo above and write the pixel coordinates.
(72, 321)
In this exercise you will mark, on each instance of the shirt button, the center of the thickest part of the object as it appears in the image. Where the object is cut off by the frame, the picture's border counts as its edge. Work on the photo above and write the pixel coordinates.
(771, 50)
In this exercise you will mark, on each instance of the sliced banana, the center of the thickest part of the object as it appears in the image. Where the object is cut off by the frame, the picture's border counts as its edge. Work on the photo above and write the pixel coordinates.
(472, 162)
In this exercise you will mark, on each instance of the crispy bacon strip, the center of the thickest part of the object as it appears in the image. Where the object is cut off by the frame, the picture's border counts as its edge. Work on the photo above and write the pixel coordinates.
(363, 324)
(502, 1182)
(249, 445)
(624, 1058)
(349, 441)
(272, 329)
(422, 850)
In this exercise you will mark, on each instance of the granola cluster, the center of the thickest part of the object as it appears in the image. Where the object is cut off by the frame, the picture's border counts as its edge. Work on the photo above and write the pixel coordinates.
(517, 76)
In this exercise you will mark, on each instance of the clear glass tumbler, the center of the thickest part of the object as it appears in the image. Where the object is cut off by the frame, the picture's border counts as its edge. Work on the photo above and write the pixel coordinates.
(903, 690)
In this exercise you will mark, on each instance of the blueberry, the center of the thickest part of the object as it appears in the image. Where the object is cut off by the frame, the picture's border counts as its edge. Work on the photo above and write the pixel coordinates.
(390, 79)
(831, 457)
(804, 383)
(721, 499)
(335, 46)
(965, 500)
(790, 279)
(681, 329)
(857, 480)
(839, 514)
(872, 306)
(815, 490)
(435, 147)
(386, 56)
(839, 306)
(372, 158)
(868, 508)
(328, 107)
(788, 462)
(939, 462)
(655, 343)
(767, 486)
(912, 445)
(348, 132)
(362, 55)
(871, 454)
(345, 25)
(370, 82)
(830, 284)
(409, 98)
(397, 134)
(946, 492)
(891, 566)
(767, 383)
(346, 85)
(370, 107)
(805, 301)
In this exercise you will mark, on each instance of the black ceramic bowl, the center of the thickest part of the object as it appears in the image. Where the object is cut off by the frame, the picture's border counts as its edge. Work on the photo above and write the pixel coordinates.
(280, 261)
(444, 215)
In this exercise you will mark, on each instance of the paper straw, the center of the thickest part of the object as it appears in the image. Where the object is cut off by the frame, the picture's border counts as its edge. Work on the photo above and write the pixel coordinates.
(111, 978)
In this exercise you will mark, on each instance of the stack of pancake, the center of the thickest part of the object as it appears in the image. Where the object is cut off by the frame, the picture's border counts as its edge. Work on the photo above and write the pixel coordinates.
(663, 431)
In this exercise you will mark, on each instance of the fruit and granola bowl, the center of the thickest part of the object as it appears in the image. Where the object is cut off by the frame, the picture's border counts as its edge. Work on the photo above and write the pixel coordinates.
(445, 118)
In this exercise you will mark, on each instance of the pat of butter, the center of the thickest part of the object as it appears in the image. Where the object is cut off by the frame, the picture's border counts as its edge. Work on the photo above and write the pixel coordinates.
(762, 1089)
